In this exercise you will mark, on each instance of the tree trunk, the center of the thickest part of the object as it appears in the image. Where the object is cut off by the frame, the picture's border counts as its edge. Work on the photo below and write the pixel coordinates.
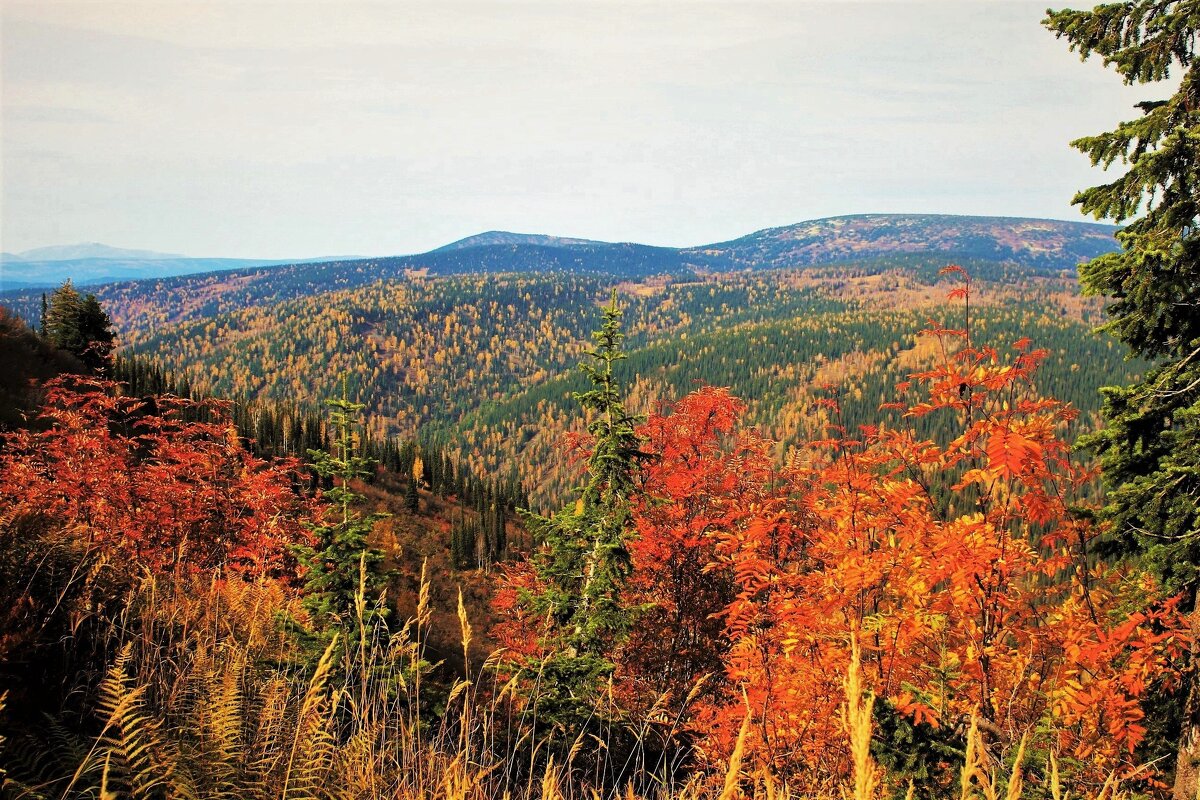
(1187, 765)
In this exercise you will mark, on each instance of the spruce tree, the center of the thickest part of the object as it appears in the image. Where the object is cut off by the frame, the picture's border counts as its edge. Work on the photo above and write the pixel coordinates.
(1150, 444)
(582, 560)
(412, 500)
(78, 325)
(63, 314)
(343, 566)
(95, 328)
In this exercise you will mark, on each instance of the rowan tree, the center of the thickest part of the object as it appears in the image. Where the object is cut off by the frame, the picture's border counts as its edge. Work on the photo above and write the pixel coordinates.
(958, 562)
(140, 483)
(700, 478)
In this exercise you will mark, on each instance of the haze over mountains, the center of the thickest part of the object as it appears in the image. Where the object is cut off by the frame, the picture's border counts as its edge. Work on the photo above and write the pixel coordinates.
(478, 340)
(71, 252)
(1046, 246)
(93, 263)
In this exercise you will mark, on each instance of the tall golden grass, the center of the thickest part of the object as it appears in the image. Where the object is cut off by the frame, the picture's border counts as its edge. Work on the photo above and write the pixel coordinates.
(207, 696)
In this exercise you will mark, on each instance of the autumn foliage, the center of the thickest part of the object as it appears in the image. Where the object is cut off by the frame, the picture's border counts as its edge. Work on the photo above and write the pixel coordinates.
(140, 481)
(772, 621)
(962, 565)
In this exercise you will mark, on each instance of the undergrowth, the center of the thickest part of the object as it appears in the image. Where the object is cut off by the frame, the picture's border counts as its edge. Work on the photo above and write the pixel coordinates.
(215, 691)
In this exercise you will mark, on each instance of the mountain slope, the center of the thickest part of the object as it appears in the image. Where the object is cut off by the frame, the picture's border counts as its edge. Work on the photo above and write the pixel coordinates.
(481, 342)
(999, 248)
(507, 237)
(489, 360)
(1037, 243)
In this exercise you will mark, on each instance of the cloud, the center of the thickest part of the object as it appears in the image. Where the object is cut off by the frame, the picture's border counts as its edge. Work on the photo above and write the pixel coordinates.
(60, 115)
(275, 130)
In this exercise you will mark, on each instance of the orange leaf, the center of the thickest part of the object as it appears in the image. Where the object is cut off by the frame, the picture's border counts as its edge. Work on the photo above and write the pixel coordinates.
(1009, 453)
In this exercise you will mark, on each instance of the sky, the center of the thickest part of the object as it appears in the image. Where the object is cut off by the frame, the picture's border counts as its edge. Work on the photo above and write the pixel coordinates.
(300, 129)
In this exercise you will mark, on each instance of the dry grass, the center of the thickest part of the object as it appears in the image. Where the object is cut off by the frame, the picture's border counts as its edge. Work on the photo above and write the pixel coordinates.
(207, 697)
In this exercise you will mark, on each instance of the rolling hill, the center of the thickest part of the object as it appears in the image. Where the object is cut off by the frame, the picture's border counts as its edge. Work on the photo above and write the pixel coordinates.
(1036, 244)
(476, 345)
(1000, 248)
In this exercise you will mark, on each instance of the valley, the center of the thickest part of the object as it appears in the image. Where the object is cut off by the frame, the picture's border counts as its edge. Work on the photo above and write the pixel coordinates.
(476, 344)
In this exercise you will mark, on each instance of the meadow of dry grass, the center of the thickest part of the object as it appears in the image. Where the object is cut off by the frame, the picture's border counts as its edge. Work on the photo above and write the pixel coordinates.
(208, 696)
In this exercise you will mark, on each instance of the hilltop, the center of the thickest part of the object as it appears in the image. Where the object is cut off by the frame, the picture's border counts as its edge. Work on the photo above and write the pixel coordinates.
(999, 247)
(1035, 243)
(507, 237)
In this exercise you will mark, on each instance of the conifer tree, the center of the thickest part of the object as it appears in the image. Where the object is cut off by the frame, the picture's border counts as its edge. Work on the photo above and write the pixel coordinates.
(583, 559)
(96, 330)
(63, 314)
(343, 563)
(78, 325)
(1150, 445)
(412, 500)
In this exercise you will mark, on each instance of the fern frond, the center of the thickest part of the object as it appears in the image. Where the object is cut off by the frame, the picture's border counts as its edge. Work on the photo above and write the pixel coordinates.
(313, 746)
(218, 720)
(137, 757)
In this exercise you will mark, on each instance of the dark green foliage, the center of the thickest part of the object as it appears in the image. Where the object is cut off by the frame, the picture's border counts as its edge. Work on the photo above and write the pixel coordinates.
(412, 500)
(26, 360)
(96, 328)
(274, 429)
(480, 541)
(79, 326)
(582, 560)
(464, 537)
(605, 499)
(63, 313)
(345, 577)
(1150, 446)
(927, 757)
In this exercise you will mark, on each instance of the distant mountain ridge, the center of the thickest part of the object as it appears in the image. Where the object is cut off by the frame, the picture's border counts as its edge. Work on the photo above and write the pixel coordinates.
(1002, 247)
(86, 250)
(506, 237)
(1044, 243)
(50, 266)
(84, 271)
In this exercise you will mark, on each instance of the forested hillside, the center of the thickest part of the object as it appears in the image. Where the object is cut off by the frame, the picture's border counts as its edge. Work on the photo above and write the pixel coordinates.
(873, 507)
(476, 343)
(1007, 246)
(488, 361)
(737, 535)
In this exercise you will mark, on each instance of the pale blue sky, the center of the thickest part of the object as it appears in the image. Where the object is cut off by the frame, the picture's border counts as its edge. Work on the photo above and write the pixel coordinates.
(309, 128)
